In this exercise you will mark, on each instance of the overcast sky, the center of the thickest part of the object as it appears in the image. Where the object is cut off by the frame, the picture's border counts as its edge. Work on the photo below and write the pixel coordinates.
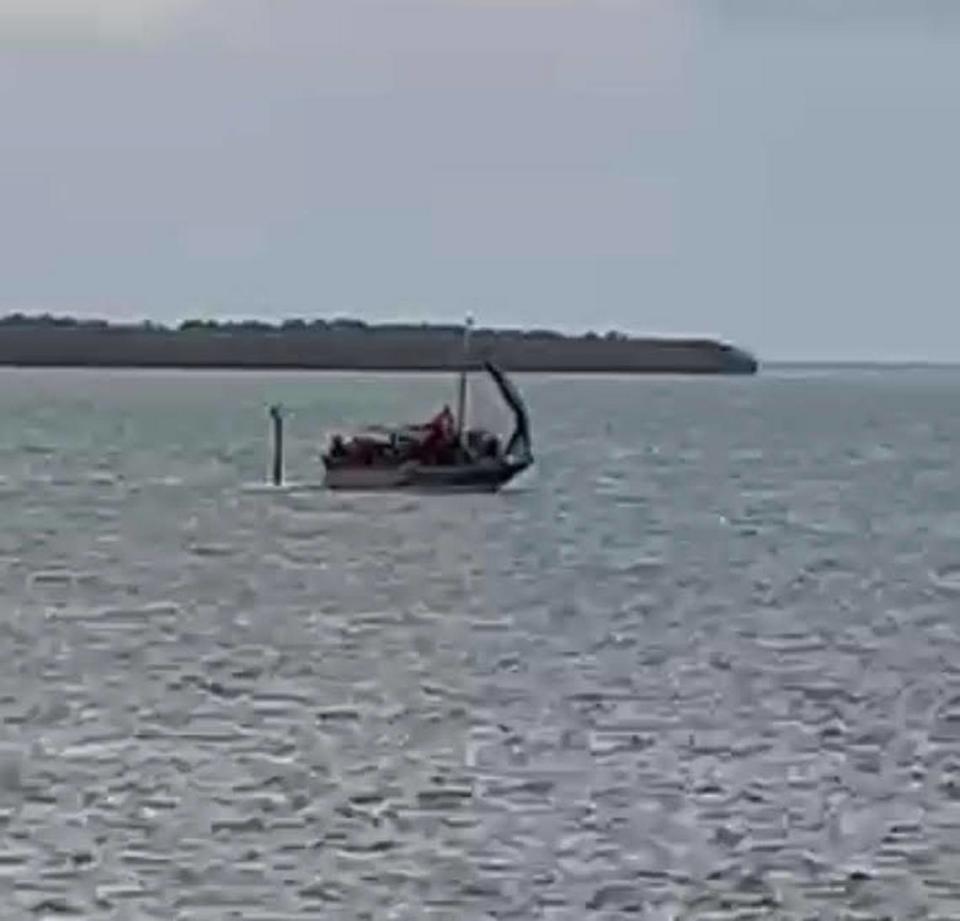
(781, 173)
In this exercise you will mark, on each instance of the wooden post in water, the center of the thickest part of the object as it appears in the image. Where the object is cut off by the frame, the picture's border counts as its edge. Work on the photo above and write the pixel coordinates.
(276, 414)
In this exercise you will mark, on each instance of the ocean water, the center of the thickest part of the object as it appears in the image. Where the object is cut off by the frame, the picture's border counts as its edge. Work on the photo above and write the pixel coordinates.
(702, 662)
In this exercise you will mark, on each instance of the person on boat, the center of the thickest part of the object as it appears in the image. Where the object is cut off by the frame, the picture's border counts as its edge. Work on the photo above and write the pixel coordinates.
(442, 425)
(441, 432)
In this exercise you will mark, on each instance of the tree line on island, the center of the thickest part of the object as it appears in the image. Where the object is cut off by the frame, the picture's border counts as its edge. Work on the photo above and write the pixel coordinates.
(348, 344)
(291, 325)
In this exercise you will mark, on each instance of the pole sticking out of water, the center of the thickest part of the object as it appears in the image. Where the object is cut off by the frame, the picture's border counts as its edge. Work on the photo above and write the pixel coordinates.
(276, 414)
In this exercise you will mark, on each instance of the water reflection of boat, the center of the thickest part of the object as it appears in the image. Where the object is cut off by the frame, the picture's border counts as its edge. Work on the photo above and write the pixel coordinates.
(443, 455)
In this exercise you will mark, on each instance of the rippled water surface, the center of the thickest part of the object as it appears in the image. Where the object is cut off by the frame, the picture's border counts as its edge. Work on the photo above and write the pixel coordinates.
(703, 662)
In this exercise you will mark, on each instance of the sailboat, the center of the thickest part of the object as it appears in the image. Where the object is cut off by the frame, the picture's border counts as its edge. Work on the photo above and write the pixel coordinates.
(445, 455)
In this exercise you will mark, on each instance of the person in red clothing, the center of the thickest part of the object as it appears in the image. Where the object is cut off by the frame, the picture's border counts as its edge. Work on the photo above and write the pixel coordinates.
(440, 434)
(443, 424)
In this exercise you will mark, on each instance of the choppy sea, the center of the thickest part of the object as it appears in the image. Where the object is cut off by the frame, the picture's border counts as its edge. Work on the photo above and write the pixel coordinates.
(702, 662)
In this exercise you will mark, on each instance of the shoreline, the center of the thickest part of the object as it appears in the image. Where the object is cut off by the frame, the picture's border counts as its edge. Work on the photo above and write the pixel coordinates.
(353, 346)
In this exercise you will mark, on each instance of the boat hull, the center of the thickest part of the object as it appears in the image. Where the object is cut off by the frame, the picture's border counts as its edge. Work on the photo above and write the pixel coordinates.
(477, 477)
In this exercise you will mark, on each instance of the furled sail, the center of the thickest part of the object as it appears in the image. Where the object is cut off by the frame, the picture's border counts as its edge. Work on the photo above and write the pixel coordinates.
(520, 443)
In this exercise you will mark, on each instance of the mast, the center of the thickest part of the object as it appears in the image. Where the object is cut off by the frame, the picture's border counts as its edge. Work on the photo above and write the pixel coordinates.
(462, 395)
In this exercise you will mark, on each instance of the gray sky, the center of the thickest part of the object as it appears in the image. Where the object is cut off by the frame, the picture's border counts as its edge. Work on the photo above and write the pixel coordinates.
(782, 173)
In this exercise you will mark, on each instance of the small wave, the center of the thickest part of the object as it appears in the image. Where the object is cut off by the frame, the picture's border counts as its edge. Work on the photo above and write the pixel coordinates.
(213, 550)
(289, 487)
(55, 577)
(947, 578)
(166, 481)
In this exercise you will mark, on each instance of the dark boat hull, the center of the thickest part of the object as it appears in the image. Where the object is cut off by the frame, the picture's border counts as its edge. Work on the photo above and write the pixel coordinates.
(479, 477)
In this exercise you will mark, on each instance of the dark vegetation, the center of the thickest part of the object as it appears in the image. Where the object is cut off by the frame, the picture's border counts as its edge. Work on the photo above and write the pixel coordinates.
(347, 344)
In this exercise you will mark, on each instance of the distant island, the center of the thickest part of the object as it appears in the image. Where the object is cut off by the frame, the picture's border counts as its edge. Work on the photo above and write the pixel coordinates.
(349, 345)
